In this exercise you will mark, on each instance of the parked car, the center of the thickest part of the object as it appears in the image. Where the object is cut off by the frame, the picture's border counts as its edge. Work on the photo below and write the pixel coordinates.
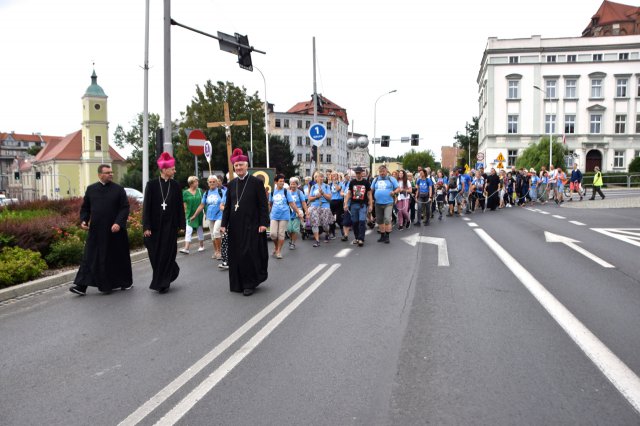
(135, 194)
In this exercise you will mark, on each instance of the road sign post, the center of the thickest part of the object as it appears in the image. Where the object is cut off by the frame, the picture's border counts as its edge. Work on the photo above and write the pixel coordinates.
(317, 133)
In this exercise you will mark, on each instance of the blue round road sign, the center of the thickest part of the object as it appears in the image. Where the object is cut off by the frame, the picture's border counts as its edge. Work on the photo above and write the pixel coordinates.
(317, 133)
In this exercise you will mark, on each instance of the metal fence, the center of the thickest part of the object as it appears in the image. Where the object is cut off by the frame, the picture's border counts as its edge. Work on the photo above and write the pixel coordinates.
(618, 180)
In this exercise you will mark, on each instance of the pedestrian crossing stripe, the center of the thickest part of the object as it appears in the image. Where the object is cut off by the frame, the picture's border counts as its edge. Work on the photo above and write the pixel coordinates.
(628, 235)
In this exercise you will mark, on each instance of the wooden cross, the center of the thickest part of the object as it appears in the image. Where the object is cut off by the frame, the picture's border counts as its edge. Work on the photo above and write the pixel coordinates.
(227, 123)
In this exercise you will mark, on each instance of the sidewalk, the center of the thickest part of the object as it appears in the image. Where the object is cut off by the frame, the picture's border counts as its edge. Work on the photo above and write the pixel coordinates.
(607, 203)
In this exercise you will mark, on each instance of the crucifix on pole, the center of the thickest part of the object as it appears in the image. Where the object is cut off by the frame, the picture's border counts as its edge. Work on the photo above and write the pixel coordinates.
(227, 123)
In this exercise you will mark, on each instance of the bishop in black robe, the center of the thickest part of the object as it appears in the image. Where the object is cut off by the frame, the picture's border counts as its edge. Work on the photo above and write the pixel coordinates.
(106, 263)
(246, 210)
(162, 217)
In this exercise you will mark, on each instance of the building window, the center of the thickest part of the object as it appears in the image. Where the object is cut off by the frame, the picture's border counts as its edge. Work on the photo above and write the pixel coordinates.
(638, 123)
(512, 123)
(569, 123)
(287, 139)
(328, 125)
(621, 123)
(299, 124)
(550, 123)
(307, 124)
(277, 123)
(299, 141)
(299, 158)
(286, 123)
(307, 158)
(571, 58)
(307, 140)
(621, 87)
(513, 89)
(597, 57)
(513, 59)
(623, 56)
(328, 158)
(322, 158)
(638, 94)
(328, 141)
(618, 159)
(551, 58)
(98, 143)
(570, 89)
(550, 91)
(637, 154)
(596, 88)
(512, 155)
(595, 123)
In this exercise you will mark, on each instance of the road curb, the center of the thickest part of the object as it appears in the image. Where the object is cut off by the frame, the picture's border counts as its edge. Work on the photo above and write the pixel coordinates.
(607, 203)
(44, 283)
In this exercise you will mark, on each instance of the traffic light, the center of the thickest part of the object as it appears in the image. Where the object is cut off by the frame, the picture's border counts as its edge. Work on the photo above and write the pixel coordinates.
(384, 141)
(159, 142)
(16, 175)
(38, 176)
(244, 53)
(415, 139)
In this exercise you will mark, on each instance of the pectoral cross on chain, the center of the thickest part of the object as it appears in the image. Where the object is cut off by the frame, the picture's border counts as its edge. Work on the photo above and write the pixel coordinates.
(164, 205)
(237, 205)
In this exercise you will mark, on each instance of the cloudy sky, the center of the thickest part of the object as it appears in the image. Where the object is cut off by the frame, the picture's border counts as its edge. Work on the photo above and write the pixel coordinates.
(429, 52)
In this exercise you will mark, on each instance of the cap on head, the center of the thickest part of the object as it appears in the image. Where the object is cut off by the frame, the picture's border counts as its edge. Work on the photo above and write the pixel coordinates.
(358, 169)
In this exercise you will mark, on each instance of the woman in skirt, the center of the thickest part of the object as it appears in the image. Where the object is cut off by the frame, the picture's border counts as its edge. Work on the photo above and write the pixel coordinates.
(320, 208)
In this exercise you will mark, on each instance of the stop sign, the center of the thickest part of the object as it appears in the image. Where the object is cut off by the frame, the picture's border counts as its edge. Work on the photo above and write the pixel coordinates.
(196, 142)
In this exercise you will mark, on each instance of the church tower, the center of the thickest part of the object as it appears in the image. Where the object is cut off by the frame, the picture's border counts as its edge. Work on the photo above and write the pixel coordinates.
(95, 131)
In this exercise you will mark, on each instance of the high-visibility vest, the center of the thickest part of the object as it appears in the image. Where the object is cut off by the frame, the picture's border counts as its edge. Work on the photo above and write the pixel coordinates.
(597, 179)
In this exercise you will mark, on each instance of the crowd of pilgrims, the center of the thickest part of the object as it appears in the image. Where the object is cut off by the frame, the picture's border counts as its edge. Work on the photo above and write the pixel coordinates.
(333, 205)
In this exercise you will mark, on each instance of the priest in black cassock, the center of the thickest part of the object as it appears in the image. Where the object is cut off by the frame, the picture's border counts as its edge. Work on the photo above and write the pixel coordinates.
(245, 218)
(106, 263)
(493, 184)
(162, 217)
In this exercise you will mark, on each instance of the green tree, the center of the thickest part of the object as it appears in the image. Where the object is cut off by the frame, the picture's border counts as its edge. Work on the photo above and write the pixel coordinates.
(281, 156)
(132, 139)
(34, 150)
(634, 166)
(537, 155)
(468, 140)
(413, 159)
(208, 106)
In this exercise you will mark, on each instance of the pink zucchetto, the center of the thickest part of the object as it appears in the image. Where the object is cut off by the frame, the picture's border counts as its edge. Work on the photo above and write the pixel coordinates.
(166, 161)
(238, 156)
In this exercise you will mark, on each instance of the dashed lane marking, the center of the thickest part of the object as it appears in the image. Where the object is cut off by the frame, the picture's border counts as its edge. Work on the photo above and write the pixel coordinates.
(343, 253)
(557, 216)
(575, 222)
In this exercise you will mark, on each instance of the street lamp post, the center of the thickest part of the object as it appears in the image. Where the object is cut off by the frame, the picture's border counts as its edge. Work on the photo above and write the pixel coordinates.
(266, 115)
(550, 133)
(375, 106)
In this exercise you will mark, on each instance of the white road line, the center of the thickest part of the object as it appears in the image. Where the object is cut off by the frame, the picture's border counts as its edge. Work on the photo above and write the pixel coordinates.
(541, 212)
(187, 403)
(621, 234)
(557, 216)
(575, 222)
(368, 231)
(343, 253)
(472, 224)
(145, 409)
(466, 219)
(621, 376)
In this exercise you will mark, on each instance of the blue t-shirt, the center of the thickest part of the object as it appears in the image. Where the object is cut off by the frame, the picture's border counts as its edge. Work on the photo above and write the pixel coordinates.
(335, 191)
(382, 188)
(280, 204)
(466, 182)
(534, 181)
(297, 197)
(479, 183)
(423, 186)
(320, 202)
(212, 200)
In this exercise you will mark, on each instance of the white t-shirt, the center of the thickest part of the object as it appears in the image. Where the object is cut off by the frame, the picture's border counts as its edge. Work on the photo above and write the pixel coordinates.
(402, 195)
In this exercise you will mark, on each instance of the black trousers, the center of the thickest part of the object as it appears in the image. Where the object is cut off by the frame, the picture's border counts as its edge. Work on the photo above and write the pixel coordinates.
(337, 209)
(598, 190)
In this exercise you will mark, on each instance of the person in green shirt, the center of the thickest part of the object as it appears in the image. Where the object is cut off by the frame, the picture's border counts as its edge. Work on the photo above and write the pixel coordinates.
(191, 198)
(597, 183)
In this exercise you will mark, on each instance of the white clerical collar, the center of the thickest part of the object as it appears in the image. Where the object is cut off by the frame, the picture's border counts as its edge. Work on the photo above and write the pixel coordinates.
(243, 177)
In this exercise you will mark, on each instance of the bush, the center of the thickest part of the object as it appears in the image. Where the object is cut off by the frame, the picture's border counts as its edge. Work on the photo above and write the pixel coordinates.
(65, 252)
(18, 265)
(634, 166)
(36, 235)
(134, 227)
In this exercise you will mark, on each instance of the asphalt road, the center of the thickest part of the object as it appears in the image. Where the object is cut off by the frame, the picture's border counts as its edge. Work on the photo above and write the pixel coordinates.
(345, 335)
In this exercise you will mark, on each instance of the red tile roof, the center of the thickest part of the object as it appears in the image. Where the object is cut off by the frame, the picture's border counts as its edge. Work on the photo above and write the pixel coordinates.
(326, 108)
(22, 137)
(611, 13)
(69, 148)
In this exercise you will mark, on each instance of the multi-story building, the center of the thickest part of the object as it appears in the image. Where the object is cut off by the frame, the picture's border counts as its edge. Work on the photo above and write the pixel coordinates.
(585, 90)
(293, 126)
(449, 156)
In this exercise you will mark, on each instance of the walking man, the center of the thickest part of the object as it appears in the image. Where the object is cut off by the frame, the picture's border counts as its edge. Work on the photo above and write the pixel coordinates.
(359, 197)
(245, 218)
(162, 217)
(597, 183)
(384, 187)
(106, 263)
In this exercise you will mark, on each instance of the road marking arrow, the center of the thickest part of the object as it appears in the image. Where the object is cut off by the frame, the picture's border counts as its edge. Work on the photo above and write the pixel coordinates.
(443, 254)
(571, 243)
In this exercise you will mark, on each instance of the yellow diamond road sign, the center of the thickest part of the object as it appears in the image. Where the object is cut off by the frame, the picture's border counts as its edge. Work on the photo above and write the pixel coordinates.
(500, 157)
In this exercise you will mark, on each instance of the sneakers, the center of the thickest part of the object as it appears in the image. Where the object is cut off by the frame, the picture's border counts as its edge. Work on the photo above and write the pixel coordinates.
(407, 225)
(200, 248)
(278, 256)
(223, 266)
(292, 246)
(80, 291)
(332, 237)
(400, 228)
(124, 287)
(344, 238)
(360, 243)
(316, 243)
(327, 238)
(184, 251)
(354, 242)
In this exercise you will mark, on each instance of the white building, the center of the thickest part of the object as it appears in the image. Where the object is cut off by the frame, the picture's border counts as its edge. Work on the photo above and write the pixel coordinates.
(589, 93)
(293, 127)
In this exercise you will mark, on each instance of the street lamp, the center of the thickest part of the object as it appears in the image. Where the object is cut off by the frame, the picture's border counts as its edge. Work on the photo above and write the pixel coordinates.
(375, 106)
(266, 115)
(550, 133)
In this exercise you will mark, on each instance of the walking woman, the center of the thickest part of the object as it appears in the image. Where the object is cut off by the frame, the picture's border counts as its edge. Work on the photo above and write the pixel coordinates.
(294, 221)
(404, 198)
(337, 201)
(213, 202)
(281, 204)
(191, 198)
(320, 210)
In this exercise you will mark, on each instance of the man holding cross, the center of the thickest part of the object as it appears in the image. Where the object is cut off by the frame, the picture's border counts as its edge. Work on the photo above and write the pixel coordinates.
(162, 216)
(245, 218)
